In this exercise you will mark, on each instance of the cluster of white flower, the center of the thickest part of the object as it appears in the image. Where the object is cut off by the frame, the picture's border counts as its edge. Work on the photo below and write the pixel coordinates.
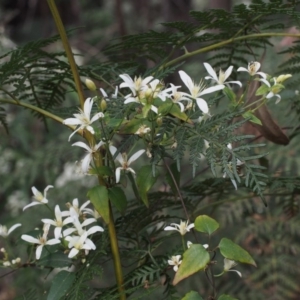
(70, 226)
(176, 261)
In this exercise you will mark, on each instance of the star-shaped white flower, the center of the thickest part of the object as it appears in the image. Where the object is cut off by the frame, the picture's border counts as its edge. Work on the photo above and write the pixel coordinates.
(228, 264)
(182, 228)
(177, 96)
(253, 68)
(78, 209)
(273, 90)
(175, 261)
(39, 197)
(58, 222)
(5, 233)
(83, 119)
(41, 240)
(137, 85)
(198, 90)
(78, 243)
(88, 158)
(221, 79)
(124, 161)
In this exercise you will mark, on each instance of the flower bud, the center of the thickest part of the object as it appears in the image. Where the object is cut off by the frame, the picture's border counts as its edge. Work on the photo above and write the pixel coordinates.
(103, 105)
(90, 85)
(283, 77)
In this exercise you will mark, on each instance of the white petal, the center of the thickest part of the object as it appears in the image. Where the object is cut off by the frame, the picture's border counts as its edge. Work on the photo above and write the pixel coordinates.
(170, 228)
(239, 273)
(88, 222)
(38, 251)
(49, 221)
(211, 71)
(118, 174)
(135, 156)
(235, 82)
(186, 80)
(212, 89)
(94, 229)
(96, 117)
(86, 163)
(83, 145)
(12, 228)
(57, 232)
(32, 204)
(228, 72)
(153, 108)
(87, 107)
(53, 242)
(242, 69)
(202, 105)
(73, 253)
(72, 121)
(30, 239)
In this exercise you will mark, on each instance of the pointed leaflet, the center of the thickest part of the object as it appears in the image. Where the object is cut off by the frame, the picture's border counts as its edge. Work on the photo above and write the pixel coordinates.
(206, 224)
(118, 198)
(145, 180)
(232, 251)
(99, 198)
(194, 259)
(60, 285)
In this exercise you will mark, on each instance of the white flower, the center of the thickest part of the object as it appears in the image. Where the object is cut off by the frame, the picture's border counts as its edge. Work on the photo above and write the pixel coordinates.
(228, 264)
(39, 197)
(137, 85)
(78, 243)
(273, 90)
(58, 222)
(175, 261)
(222, 75)
(83, 119)
(177, 97)
(41, 240)
(88, 158)
(253, 68)
(143, 129)
(198, 90)
(4, 232)
(182, 228)
(79, 226)
(75, 204)
(125, 163)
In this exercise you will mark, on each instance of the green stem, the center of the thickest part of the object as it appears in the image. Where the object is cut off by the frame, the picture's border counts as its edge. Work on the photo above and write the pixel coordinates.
(64, 39)
(229, 41)
(116, 256)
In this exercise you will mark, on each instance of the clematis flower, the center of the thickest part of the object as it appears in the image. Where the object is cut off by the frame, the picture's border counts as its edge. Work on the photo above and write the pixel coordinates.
(78, 243)
(5, 233)
(88, 158)
(106, 97)
(125, 163)
(75, 205)
(39, 197)
(83, 119)
(177, 97)
(41, 241)
(272, 90)
(222, 75)
(175, 261)
(182, 228)
(228, 264)
(58, 222)
(253, 68)
(136, 85)
(198, 90)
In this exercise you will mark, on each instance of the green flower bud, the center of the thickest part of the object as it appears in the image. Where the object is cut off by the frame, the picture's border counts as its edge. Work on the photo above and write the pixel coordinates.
(90, 85)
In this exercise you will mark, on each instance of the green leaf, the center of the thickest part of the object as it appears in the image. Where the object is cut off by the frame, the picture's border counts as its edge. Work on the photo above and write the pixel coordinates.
(206, 224)
(99, 198)
(226, 297)
(102, 171)
(192, 295)
(230, 94)
(55, 260)
(145, 180)
(262, 90)
(195, 259)
(252, 118)
(176, 175)
(133, 125)
(232, 251)
(118, 198)
(168, 107)
(60, 285)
